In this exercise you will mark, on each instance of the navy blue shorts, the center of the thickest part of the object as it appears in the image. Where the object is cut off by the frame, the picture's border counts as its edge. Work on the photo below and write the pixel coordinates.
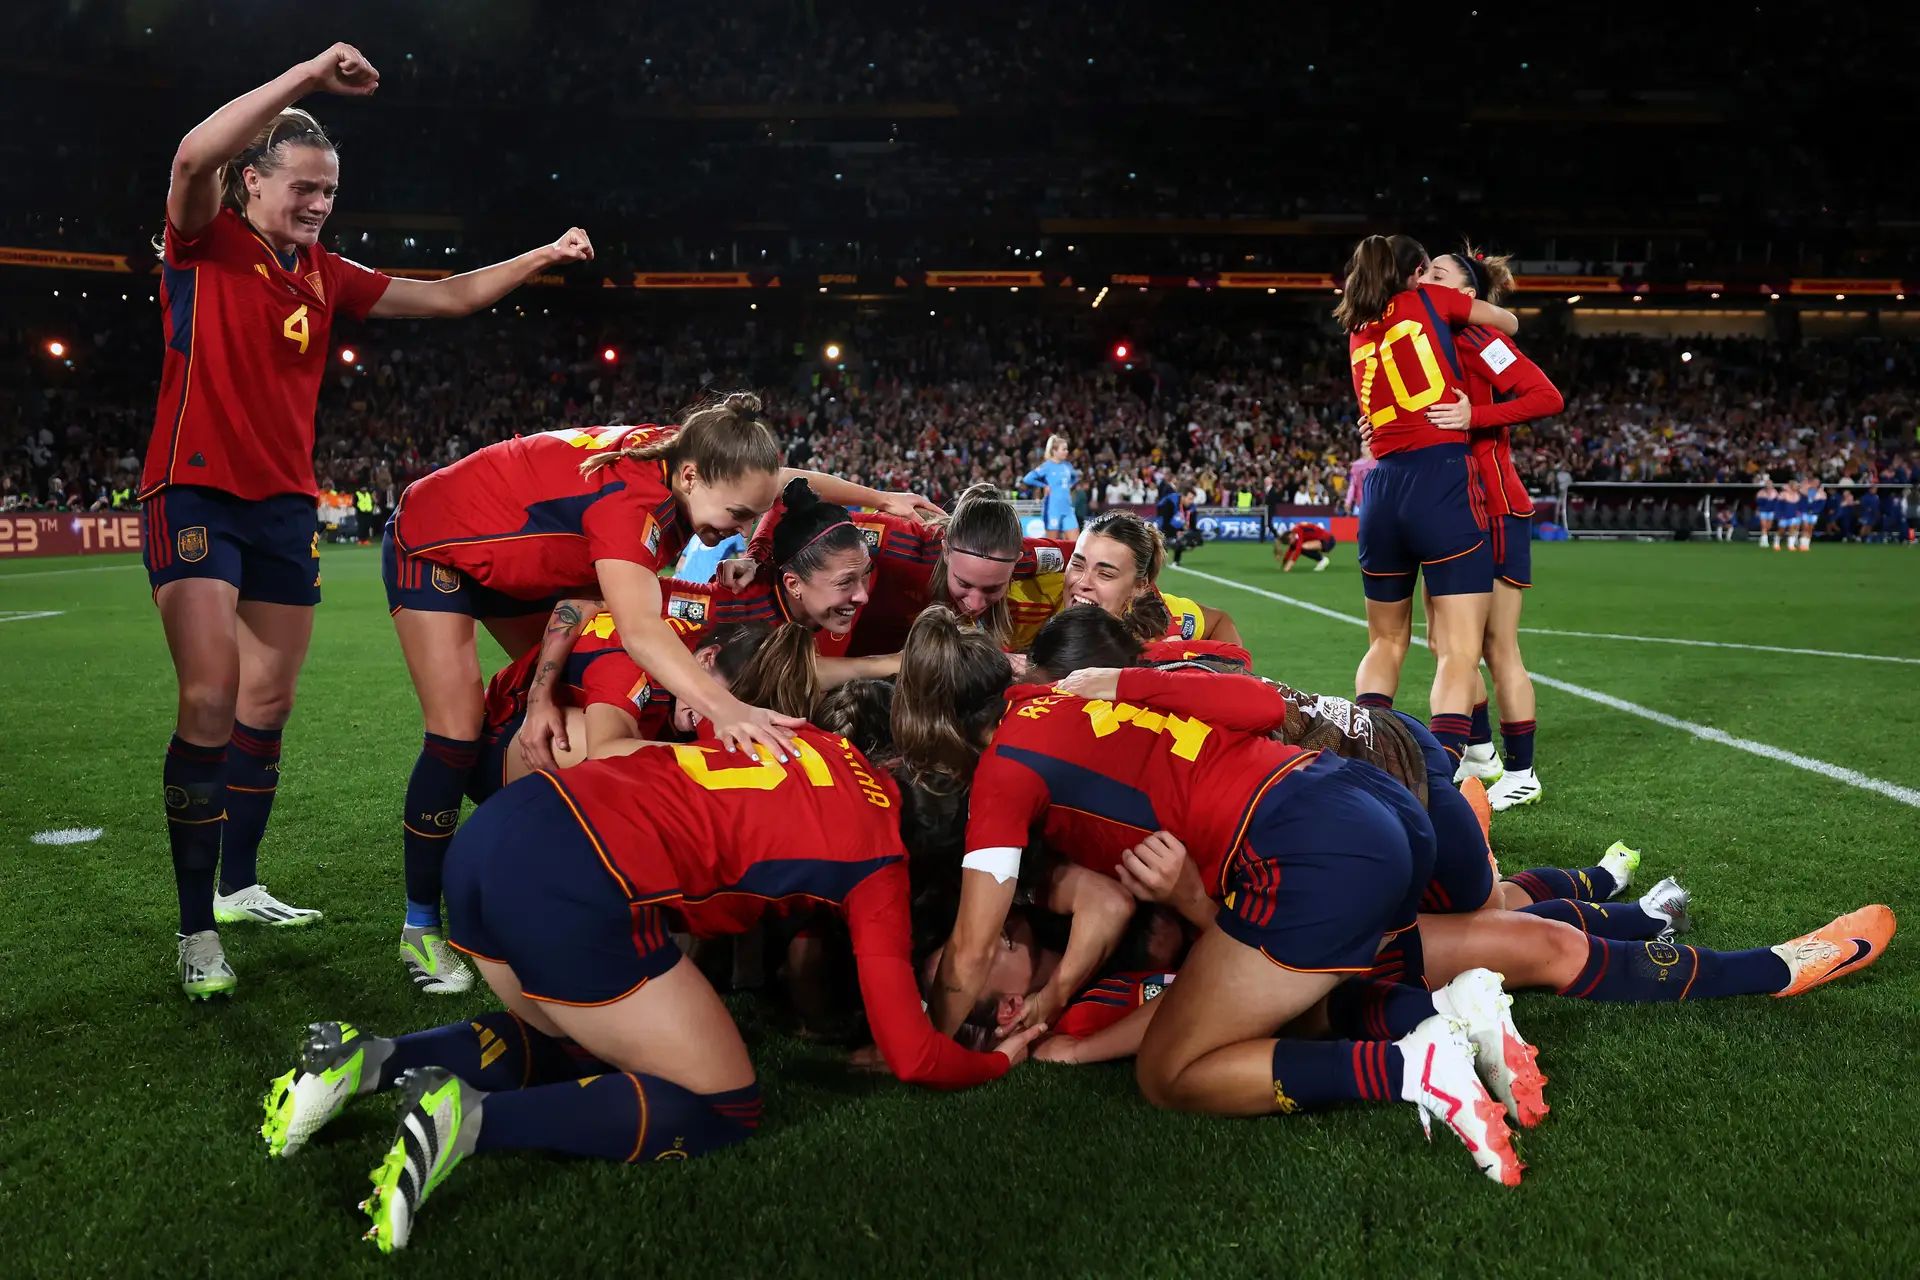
(1513, 549)
(269, 549)
(415, 582)
(1333, 861)
(525, 887)
(490, 771)
(1426, 512)
(1463, 873)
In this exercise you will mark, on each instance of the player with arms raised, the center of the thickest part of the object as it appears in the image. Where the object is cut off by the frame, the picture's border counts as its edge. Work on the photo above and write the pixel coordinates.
(248, 298)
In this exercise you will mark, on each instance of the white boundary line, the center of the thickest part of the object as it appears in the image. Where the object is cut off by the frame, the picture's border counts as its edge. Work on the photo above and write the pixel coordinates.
(1893, 791)
(9, 616)
(54, 573)
(1706, 644)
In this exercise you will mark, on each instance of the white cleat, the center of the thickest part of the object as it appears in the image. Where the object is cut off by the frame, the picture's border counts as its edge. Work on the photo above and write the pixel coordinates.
(435, 967)
(1325, 560)
(1514, 787)
(203, 968)
(1481, 761)
(1620, 862)
(254, 905)
(1506, 1061)
(1438, 1077)
(1669, 901)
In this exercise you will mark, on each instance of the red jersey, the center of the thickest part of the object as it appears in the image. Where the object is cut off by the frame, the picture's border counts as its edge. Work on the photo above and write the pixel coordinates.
(519, 517)
(1505, 387)
(1404, 363)
(1107, 1001)
(1306, 532)
(1177, 650)
(762, 600)
(247, 344)
(600, 671)
(720, 838)
(1182, 751)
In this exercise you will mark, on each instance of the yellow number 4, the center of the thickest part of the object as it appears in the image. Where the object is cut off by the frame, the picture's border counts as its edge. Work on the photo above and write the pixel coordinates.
(763, 775)
(601, 626)
(1188, 735)
(295, 328)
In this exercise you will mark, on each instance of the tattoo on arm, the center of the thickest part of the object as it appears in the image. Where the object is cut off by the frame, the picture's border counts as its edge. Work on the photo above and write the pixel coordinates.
(566, 616)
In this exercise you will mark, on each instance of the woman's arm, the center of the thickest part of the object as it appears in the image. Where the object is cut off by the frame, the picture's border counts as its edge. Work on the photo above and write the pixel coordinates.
(464, 294)
(1099, 909)
(846, 493)
(544, 730)
(835, 672)
(1119, 1040)
(194, 198)
(984, 902)
(1159, 870)
(632, 593)
(1531, 393)
(1219, 625)
(1493, 317)
(1239, 702)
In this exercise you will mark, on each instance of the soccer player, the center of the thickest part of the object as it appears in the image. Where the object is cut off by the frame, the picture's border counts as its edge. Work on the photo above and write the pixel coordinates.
(1056, 477)
(1116, 565)
(1503, 388)
(248, 298)
(496, 536)
(1425, 512)
(1314, 541)
(612, 1043)
(1317, 859)
(1766, 506)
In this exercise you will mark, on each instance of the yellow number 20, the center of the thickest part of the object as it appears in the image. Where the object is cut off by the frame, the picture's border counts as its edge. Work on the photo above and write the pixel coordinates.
(295, 328)
(1408, 333)
(1188, 735)
(764, 774)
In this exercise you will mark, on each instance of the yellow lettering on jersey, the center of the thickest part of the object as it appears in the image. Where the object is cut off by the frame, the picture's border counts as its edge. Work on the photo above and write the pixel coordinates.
(764, 775)
(1368, 353)
(1188, 736)
(1429, 367)
(294, 329)
(812, 763)
(600, 439)
(1037, 708)
(601, 626)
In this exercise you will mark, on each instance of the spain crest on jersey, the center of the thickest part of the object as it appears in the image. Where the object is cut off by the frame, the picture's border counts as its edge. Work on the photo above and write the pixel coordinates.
(191, 544)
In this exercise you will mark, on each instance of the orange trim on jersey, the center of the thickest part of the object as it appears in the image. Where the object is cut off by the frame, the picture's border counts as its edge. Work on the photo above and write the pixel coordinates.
(587, 1004)
(253, 791)
(639, 1142)
(1443, 559)
(625, 888)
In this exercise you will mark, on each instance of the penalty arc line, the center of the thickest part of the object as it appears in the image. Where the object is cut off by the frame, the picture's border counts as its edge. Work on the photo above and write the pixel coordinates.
(1706, 733)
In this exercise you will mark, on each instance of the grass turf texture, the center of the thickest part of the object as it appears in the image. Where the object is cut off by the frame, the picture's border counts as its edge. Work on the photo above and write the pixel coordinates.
(1729, 1138)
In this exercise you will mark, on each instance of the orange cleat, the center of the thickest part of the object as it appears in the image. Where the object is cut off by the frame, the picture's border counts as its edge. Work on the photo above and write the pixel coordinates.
(1476, 793)
(1848, 945)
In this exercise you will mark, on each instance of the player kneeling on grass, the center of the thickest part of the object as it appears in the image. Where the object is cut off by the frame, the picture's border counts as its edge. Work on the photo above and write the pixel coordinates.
(1313, 541)
(612, 1043)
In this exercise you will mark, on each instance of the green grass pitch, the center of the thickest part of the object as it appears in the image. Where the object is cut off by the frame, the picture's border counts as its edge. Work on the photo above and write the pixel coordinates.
(1732, 1138)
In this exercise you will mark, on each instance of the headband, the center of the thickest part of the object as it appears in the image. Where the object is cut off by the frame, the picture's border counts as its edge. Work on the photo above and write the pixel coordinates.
(844, 519)
(1476, 274)
(252, 154)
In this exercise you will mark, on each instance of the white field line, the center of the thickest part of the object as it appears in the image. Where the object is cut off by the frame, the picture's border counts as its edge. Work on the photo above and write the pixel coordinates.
(1710, 644)
(1706, 733)
(11, 616)
(54, 573)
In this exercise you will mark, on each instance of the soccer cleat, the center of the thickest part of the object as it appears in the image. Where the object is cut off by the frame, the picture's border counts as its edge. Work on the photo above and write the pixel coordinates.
(1850, 943)
(1507, 1063)
(1620, 862)
(1325, 560)
(255, 905)
(435, 967)
(1480, 761)
(1438, 1078)
(204, 971)
(1669, 901)
(1514, 787)
(439, 1124)
(333, 1068)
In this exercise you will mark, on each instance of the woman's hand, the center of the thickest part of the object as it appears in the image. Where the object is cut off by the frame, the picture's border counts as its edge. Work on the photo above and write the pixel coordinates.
(736, 573)
(1456, 416)
(543, 732)
(1016, 1045)
(344, 70)
(1096, 684)
(740, 727)
(910, 506)
(1018, 662)
(1152, 870)
(572, 247)
(1061, 1049)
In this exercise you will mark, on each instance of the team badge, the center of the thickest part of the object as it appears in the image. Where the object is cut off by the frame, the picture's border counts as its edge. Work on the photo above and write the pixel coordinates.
(191, 544)
(653, 536)
(1187, 626)
(688, 609)
(1049, 559)
(176, 797)
(445, 580)
(319, 290)
(447, 819)
(872, 533)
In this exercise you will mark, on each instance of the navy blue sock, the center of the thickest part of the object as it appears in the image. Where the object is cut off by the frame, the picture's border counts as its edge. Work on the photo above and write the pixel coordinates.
(253, 775)
(434, 793)
(1650, 971)
(1371, 1009)
(1451, 732)
(1621, 921)
(1309, 1074)
(1482, 730)
(493, 1051)
(195, 781)
(619, 1116)
(1516, 736)
(1589, 884)
(1378, 701)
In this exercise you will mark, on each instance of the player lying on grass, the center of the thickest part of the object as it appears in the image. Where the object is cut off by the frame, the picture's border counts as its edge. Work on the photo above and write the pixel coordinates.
(612, 1044)
(1316, 859)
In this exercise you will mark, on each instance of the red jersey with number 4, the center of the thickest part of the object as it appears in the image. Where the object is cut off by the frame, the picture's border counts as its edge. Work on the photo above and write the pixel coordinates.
(1180, 751)
(1506, 388)
(1404, 364)
(520, 517)
(247, 344)
(721, 838)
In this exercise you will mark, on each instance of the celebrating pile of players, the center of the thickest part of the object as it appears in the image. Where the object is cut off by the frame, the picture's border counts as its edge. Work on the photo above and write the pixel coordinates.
(957, 795)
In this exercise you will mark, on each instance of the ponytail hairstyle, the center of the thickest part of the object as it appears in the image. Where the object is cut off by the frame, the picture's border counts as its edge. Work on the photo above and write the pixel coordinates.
(861, 711)
(947, 698)
(736, 644)
(780, 676)
(1146, 614)
(1055, 439)
(1379, 268)
(811, 532)
(268, 151)
(983, 524)
(1084, 636)
(1490, 276)
(724, 438)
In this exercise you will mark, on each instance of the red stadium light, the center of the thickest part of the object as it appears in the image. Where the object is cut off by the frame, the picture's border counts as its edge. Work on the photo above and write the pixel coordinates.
(346, 355)
(56, 349)
(1120, 351)
(609, 355)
